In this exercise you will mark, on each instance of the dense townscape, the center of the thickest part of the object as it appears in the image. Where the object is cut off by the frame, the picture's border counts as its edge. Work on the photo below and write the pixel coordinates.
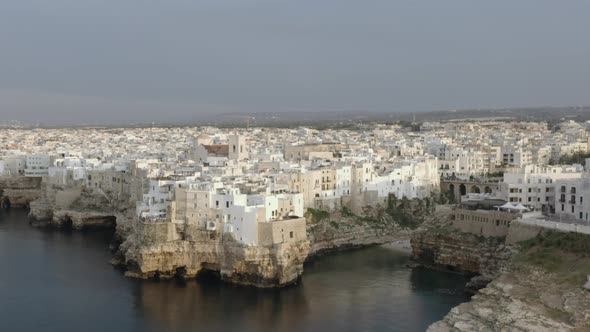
(254, 204)
(238, 178)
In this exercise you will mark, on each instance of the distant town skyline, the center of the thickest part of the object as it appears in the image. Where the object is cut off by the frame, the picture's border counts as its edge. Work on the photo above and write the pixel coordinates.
(70, 62)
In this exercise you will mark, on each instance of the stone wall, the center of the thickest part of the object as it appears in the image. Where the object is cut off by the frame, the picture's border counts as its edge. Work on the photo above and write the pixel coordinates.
(157, 232)
(483, 222)
(282, 231)
(520, 232)
(461, 187)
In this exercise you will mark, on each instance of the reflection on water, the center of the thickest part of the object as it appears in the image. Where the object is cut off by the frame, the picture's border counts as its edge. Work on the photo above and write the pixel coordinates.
(62, 281)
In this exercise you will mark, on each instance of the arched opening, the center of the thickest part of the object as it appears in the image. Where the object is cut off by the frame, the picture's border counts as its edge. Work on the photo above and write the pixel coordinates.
(487, 190)
(67, 222)
(5, 203)
(462, 190)
(475, 190)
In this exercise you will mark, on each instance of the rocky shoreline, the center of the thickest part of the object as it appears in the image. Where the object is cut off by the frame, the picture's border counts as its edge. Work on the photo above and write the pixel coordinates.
(517, 288)
(525, 299)
(166, 250)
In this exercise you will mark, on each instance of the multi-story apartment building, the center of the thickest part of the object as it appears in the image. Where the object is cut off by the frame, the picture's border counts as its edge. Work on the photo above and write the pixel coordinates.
(535, 185)
(37, 165)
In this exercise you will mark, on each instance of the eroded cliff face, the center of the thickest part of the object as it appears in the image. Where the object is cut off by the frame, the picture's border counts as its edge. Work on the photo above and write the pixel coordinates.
(168, 250)
(376, 225)
(346, 232)
(451, 250)
(167, 255)
(78, 220)
(80, 208)
(20, 190)
(536, 285)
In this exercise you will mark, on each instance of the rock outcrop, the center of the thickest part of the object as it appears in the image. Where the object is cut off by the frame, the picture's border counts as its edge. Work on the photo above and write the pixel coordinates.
(536, 285)
(348, 232)
(162, 253)
(168, 250)
(20, 191)
(77, 220)
(522, 299)
(451, 250)
(80, 208)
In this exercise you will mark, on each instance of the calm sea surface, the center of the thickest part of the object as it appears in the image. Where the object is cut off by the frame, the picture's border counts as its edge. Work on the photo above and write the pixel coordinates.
(62, 281)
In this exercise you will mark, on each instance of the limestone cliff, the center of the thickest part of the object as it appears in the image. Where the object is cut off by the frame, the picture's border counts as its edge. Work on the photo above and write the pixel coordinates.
(452, 250)
(80, 208)
(78, 220)
(537, 285)
(167, 250)
(541, 289)
(524, 299)
(340, 232)
(20, 191)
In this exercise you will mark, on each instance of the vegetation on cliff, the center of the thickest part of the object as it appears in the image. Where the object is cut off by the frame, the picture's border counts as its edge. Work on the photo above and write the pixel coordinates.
(317, 215)
(540, 288)
(567, 255)
(404, 213)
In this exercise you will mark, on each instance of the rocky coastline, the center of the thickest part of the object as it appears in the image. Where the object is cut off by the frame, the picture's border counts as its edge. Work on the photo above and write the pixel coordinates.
(166, 256)
(532, 285)
(170, 250)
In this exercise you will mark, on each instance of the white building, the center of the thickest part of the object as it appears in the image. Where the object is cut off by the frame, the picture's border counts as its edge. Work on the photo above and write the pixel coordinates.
(535, 186)
(37, 165)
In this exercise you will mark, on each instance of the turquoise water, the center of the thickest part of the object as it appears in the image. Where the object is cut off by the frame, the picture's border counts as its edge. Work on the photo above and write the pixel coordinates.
(62, 281)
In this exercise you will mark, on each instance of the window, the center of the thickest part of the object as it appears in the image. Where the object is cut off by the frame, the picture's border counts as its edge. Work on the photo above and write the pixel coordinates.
(291, 233)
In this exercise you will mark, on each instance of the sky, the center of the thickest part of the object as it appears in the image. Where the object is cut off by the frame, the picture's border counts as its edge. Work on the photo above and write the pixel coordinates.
(78, 61)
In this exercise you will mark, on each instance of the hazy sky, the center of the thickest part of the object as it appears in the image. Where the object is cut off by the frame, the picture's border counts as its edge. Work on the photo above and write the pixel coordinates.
(147, 60)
